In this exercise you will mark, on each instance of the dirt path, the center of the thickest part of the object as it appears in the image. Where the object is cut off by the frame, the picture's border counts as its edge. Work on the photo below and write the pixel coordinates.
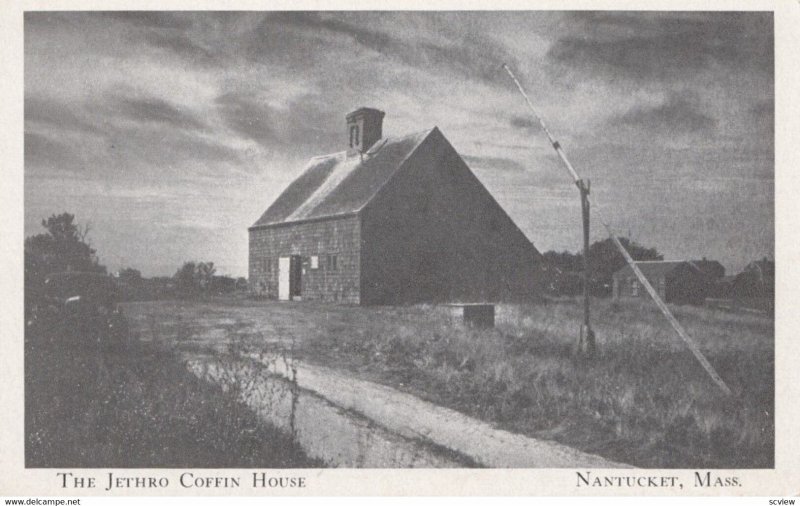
(337, 436)
(415, 418)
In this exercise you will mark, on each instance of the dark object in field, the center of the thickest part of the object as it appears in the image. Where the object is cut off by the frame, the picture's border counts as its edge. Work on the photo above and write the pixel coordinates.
(475, 315)
(81, 309)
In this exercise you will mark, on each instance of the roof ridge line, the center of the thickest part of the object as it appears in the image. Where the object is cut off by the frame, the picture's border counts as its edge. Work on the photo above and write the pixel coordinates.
(336, 153)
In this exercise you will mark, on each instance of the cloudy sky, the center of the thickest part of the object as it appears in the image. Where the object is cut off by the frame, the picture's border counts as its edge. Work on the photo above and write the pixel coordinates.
(170, 133)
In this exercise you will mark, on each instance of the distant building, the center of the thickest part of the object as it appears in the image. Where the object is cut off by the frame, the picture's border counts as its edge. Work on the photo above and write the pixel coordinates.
(563, 282)
(390, 220)
(681, 282)
(756, 281)
(724, 287)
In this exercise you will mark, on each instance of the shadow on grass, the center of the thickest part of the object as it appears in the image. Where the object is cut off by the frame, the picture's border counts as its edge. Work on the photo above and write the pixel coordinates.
(137, 408)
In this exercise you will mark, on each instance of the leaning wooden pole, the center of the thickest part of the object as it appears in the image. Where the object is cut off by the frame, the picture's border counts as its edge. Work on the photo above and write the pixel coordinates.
(641, 277)
(586, 343)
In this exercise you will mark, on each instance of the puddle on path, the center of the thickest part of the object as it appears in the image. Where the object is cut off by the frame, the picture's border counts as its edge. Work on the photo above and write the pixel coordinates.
(336, 436)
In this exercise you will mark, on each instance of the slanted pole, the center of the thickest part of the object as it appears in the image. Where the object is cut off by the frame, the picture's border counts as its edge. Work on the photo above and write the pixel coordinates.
(586, 342)
(641, 277)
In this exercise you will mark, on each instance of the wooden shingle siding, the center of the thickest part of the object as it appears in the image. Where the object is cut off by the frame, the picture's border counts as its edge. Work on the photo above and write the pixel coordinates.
(339, 237)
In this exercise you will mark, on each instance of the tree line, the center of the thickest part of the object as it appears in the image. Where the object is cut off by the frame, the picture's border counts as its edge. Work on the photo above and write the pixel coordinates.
(64, 247)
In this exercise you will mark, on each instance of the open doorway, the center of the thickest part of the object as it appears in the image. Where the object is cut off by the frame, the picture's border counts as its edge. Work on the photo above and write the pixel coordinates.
(290, 272)
(295, 275)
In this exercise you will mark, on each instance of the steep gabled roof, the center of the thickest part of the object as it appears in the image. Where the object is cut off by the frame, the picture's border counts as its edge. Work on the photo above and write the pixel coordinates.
(337, 184)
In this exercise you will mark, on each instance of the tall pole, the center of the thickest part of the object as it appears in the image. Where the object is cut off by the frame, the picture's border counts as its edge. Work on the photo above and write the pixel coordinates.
(641, 277)
(586, 341)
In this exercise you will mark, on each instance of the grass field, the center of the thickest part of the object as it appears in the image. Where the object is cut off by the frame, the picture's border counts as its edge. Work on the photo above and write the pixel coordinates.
(644, 400)
(141, 408)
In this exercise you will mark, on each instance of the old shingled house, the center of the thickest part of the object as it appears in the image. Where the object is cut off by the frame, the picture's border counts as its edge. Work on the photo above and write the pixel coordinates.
(390, 220)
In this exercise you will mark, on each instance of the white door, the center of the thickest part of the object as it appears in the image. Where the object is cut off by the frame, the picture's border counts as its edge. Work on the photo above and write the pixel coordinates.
(284, 268)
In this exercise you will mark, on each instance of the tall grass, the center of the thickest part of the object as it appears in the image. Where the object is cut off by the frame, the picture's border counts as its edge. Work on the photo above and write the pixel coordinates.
(643, 400)
(141, 408)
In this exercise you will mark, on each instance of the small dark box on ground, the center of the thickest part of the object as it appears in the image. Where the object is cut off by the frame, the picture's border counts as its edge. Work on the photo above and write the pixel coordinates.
(475, 315)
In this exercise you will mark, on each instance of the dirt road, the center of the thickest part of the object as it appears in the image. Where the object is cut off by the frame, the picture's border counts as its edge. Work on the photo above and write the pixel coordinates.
(400, 414)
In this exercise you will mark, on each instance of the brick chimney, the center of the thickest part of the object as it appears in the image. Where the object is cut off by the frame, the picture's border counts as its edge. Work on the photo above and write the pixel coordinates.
(364, 128)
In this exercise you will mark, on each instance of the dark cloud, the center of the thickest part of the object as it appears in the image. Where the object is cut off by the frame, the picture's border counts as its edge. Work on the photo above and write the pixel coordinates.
(157, 132)
(43, 20)
(636, 57)
(181, 34)
(494, 163)
(187, 146)
(150, 19)
(275, 42)
(184, 47)
(247, 116)
(315, 22)
(56, 114)
(472, 58)
(154, 149)
(138, 150)
(191, 147)
(542, 170)
(522, 122)
(304, 126)
(470, 54)
(504, 145)
(153, 110)
(43, 153)
(679, 113)
(664, 45)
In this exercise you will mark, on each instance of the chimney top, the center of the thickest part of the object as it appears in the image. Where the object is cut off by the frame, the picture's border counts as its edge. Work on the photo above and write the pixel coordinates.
(367, 111)
(364, 128)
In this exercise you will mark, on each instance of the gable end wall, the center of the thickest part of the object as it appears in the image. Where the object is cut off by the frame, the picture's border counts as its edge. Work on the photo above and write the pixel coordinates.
(435, 234)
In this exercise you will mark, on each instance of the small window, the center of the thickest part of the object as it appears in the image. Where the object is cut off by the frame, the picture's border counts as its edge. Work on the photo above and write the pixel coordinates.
(354, 136)
(267, 265)
(314, 262)
(332, 263)
(634, 288)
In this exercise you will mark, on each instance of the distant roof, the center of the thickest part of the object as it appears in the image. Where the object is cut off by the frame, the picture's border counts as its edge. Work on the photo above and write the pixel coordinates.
(337, 184)
(654, 269)
(763, 267)
(711, 267)
(650, 268)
